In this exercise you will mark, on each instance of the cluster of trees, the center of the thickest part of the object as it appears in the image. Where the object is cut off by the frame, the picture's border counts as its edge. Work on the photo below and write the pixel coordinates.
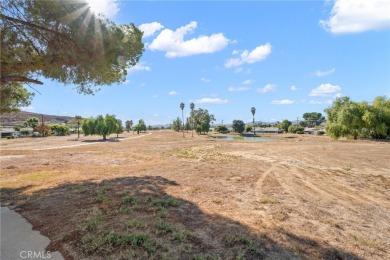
(59, 129)
(346, 118)
(200, 119)
(52, 39)
(289, 127)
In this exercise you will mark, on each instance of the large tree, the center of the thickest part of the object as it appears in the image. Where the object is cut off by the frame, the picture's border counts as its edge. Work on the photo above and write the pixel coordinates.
(100, 125)
(203, 118)
(285, 124)
(238, 126)
(129, 124)
(313, 118)
(64, 41)
(346, 118)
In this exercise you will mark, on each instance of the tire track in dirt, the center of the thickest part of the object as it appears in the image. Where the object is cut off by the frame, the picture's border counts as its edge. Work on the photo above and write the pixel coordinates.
(260, 182)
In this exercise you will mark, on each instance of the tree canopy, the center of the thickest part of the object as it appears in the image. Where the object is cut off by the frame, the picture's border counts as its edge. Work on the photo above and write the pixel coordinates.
(13, 96)
(203, 118)
(238, 126)
(64, 41)
(100, 125)
(346, 118)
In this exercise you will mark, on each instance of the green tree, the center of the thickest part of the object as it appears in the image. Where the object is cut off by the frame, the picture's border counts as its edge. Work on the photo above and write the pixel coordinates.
(192, 107)
(176, 124)
(78, 118)
(238, 126)
(187, 126)
(313, 118)
(32, 122)
(59, 129)
(100, 125)
(13, 96)
(119, 127)
(221, 128)
(248, 128)
(182, 117)
(284, 125)
(140, 126)
(129, 124)
(64, 41)
(253, 111)
(203, 118)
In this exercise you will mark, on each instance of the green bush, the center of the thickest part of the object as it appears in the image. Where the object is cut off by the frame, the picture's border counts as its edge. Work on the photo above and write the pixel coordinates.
(295, 129)
(248, 128)
(320, 132)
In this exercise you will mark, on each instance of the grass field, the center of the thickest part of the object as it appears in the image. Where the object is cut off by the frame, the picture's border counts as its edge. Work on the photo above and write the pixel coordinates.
(161, 196)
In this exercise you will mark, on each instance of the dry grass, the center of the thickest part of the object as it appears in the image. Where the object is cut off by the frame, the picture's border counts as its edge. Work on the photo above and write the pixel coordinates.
(162, 196)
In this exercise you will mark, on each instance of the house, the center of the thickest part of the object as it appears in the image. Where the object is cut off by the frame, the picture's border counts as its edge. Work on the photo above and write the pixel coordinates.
(9, 132)
(268, 130)
(311, 131)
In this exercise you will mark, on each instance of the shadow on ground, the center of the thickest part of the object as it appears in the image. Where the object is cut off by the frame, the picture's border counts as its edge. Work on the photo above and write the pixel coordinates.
(134, 218)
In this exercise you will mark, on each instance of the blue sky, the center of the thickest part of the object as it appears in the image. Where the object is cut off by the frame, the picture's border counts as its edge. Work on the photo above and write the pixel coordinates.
(285, 58)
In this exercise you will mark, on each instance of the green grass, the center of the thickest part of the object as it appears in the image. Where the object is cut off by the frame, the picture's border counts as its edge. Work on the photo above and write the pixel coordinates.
(94, 223)
(162, 227)
(165, 202)
(131, 199)
(135, 223)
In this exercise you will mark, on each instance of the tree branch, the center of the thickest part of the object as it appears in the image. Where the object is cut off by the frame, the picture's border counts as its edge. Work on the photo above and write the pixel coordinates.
(28, 24)
(7, 79)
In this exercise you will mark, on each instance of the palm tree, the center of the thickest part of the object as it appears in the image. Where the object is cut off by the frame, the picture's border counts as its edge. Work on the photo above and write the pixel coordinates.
(182, 117)
(192, 106)
(253, 110)
(78, 118)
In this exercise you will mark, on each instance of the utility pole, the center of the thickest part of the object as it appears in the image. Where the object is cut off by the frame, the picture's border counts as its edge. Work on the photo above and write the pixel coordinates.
(297, 120)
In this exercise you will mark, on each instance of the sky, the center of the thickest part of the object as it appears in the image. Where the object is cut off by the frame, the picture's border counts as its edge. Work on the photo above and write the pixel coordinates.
(284, 58)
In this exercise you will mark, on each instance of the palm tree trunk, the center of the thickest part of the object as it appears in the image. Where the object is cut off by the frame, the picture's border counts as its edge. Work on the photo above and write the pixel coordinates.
(182, 119)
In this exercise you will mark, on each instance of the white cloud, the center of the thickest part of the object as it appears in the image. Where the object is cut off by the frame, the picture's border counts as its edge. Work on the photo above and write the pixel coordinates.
(258, 54)
(173, 93)
(353, 16)
(205, 80)
(324, 90)
(28, 109)
(317, 102)
(173, 43)
(324, 73)
(138, 67)
(108, 8)
(282, 102)
(232, 89)
(267, 88)
(150, 28)
(294, 88)
(248, 82)
(211, 101)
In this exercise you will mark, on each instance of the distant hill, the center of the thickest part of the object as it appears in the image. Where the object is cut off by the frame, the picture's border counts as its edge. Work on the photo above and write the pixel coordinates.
(18, 118)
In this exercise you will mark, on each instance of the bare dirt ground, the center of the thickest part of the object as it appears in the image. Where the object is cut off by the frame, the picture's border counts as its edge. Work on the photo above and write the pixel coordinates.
(162, 196)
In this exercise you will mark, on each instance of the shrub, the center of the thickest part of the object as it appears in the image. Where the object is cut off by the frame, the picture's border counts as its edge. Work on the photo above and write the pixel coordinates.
(248, 128)
(295, 129)
(320, 132)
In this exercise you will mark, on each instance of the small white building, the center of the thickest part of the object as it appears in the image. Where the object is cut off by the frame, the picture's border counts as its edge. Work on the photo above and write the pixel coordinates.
(9, 132)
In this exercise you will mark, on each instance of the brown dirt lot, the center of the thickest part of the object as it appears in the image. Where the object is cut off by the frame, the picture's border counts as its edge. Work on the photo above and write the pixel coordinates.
(164, 197)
